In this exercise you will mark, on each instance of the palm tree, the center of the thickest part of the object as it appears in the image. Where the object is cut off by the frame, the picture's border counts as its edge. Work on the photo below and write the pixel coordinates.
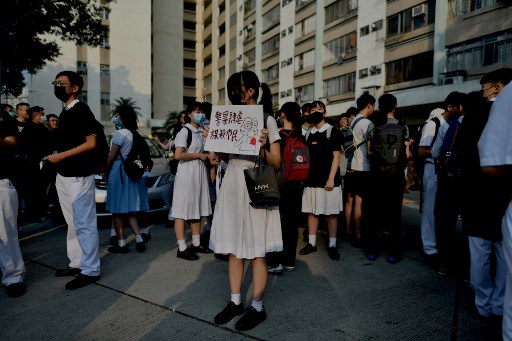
(128, 101)
(173, 117)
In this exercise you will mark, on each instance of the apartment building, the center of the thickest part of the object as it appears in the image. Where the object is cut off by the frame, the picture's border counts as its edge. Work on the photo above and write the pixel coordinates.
(334, 50)
(149, 56)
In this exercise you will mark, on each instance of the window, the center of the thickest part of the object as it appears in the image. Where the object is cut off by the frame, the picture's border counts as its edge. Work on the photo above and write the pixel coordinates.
(283, 33)
(190, 82)
(207, 82)
(82, 96)
(104, 13)
(189, 25)
(189, 44)
(338, 47)
(375, 70)
(189, 63)
(340, 85)
(271, 17)
(81, 68)
(304, 27)
(286, 62)
(105, 98)
(406, 69)
(249, 56)
(105, 43)
(285, 2)
(222, 95)
(222, 51)
(411, 19)
(222, 72)
(249, 30)
(104, 70)
(249, 6)
(232, 19)
(271, 45)
(305, 93)
(363, 73)
(189, 6)
(377, 25)
(299, 3)
(339, 9)
(461, 7)
(271, 73)
(364, 31)
(304, 60)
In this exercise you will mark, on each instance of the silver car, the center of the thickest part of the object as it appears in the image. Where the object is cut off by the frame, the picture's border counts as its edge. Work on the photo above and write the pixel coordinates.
(159, 184)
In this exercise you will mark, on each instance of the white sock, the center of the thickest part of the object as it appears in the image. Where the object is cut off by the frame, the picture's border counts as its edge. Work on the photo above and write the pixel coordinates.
(236, 298)
(195, 239)
(121, 242)
(138, 238)
(182, 245)
(113, 232)
(332, 241)
(144, 230)
(312, 239)
(257, 305)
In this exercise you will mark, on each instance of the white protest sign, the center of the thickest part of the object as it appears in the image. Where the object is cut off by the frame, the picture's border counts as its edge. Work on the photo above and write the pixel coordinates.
(235, 129)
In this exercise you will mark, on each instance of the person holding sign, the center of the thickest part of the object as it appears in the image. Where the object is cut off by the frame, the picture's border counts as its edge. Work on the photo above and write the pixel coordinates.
(191, 182)
(238, 229)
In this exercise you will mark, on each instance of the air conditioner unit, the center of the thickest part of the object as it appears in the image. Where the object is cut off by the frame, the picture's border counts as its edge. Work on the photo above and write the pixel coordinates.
(340, 59)
(454, 80)
(374, 27)
(419, 10)
(373, 69)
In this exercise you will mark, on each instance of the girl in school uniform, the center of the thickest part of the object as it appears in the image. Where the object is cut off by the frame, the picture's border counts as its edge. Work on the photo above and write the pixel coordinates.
(191, 199)
(238, 229)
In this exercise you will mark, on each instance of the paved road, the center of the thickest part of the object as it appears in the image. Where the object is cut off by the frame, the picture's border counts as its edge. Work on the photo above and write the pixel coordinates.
(156, 296)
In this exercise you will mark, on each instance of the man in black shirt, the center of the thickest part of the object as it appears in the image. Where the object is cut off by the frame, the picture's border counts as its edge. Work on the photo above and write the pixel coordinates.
(77, 162)
(11, 261)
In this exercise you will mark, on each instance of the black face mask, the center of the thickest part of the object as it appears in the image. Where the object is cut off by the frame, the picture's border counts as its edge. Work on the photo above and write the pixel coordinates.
(315, 117)
(60, 93)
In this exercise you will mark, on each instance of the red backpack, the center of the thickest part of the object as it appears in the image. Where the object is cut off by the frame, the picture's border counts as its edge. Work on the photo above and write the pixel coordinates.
(295, 157)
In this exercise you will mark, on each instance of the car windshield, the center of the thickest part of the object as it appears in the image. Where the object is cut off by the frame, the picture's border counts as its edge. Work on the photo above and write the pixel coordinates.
(153, 149)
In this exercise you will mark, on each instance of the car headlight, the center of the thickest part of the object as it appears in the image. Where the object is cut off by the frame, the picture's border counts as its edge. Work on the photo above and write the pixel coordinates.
(165, 179)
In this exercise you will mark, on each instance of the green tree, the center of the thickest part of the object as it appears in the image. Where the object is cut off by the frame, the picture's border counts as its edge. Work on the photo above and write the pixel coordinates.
(172, 118)
(128, 101)
(29, 28)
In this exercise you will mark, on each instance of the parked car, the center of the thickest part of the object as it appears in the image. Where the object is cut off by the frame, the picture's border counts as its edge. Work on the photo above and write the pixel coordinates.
(159, 183)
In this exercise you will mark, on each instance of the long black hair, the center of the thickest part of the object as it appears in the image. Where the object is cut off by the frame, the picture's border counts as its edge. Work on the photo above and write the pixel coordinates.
(128, 117)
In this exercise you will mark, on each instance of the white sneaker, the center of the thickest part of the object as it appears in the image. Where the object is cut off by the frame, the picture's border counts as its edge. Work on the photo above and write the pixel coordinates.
(288, 268)
(276, 269)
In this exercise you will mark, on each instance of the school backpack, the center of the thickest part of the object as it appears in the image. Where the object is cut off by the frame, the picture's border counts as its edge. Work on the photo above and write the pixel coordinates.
(388, 148)
(348, 143)
(102, 148)
(418, 160)
(295, 157)
(173, 163)
(138, 159)
(449, 161)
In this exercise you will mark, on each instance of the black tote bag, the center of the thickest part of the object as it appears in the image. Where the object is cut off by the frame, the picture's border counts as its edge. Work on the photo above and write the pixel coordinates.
(262, 185)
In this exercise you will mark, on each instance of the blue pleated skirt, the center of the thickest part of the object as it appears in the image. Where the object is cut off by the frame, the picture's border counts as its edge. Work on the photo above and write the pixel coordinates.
(127, 195)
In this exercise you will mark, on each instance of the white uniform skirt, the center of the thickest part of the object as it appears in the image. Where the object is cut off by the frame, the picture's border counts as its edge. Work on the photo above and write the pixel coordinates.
(317, 200)
(237, 227)
(191, 194)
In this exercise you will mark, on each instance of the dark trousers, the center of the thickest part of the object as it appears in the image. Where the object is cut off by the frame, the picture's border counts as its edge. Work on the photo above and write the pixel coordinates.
(290, 209)
(384, 212)
(34, 186)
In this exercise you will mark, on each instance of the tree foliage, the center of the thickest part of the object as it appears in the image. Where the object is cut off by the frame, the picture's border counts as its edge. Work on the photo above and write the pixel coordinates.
(173, 117)
(128, 101)
(29, 30)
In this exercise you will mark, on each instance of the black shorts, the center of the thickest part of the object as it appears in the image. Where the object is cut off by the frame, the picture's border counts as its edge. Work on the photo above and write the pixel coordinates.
(357, 183)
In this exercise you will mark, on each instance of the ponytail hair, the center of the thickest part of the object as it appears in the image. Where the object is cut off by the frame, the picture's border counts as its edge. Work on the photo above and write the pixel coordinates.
(266, 98)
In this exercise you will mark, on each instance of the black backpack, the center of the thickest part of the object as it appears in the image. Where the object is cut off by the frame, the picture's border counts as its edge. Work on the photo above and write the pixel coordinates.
(138, 160)
(348, 143)
(388, 148)
(102, 148)
(173, 163)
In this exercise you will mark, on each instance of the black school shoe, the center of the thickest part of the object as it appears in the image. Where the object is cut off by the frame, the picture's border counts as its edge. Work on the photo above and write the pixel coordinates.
(81, 281)
(306, 250)
(200, 249)
(251, 319)
(67, 272)
(333, 253)
(187, 254)
(229, 312)
(16, 289)
(146, 237)
(118, 249)
(140, 246)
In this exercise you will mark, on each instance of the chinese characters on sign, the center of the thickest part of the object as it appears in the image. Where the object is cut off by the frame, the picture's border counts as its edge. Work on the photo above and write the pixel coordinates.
(235, 129)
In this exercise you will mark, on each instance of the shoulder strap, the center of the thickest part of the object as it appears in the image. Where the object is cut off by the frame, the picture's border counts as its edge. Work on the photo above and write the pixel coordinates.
(353, 124)
(438, 125)
(189, 136)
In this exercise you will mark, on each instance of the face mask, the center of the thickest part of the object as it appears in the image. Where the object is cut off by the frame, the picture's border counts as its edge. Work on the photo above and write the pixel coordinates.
(43, 120)
(12, 113)
(60, 93)
(199, 118)
(315, 117)
(117, 123)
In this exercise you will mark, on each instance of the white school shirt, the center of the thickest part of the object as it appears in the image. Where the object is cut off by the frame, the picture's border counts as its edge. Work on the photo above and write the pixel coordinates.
(427, 135)
(362, 131)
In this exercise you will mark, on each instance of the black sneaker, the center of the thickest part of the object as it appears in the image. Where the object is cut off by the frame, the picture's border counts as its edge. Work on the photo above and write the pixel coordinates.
(200, 249)
(146, 237)
(251, 319)
(140, 247)
(306, 250)
(187, 254)
(16, 289)
(81, 281)
(118, 249)
(113, 240)
(67, 272)
(229, 312)
(333, 253)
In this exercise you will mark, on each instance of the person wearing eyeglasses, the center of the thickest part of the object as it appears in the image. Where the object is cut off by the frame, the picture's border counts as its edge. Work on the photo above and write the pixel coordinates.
(77, 162)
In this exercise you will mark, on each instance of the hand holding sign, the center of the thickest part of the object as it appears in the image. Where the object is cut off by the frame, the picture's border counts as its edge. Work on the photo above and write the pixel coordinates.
(235, 129)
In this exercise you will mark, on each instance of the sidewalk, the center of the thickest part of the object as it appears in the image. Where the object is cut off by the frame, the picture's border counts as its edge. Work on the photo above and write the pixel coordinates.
(156, 296)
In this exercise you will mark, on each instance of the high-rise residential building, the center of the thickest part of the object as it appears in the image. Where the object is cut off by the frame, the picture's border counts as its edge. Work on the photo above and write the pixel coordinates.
(149, 56)
(418, 50)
